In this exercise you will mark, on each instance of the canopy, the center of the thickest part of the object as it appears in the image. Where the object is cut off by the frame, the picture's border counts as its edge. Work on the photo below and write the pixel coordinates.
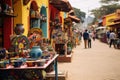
(117, 20)
(71, 12)
(74, 18)
(100, 28)
(62, 5)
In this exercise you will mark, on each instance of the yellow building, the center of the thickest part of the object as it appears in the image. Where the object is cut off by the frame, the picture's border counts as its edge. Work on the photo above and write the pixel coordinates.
(26, 9)
(42, 6)
(110, 18)
(110, 21)
(31, 13)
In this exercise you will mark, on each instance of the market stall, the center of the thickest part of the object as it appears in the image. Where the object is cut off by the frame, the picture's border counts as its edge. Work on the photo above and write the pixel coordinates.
(27, 62)
(62, 42)
(21, 71)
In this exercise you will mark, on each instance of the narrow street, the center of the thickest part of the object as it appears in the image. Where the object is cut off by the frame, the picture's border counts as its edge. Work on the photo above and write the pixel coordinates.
(97, 63)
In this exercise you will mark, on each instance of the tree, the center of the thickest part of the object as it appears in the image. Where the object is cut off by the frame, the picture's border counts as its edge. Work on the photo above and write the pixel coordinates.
(79, 14)
(108, 7)
(108, 1)
(105, 10)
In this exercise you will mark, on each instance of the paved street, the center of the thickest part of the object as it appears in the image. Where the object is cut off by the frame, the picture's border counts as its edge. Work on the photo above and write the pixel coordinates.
(97, 63)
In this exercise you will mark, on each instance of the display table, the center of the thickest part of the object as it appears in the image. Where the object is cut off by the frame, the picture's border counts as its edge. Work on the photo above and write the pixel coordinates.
(61, 49)
(65, 58)
(25, 73)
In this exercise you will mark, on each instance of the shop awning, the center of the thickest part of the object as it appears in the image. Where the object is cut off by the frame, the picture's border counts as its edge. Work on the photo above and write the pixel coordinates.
(62, 5)
(74, 18)
(98, 28)
(117, 20)
(71, 12)
(117, 24)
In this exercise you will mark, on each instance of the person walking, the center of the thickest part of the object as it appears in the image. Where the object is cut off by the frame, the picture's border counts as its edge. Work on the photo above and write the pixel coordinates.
(89, 40)
(85, 38)
(112, 39)
(108, 36)
(93, 35)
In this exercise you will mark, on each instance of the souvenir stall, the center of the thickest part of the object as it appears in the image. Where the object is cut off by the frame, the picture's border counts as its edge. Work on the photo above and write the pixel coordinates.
(72, 33)
(116, 28)
(69, 32)
(56, 32)
(27, 62)
(61, 39)
(58, 36)
(73, 29)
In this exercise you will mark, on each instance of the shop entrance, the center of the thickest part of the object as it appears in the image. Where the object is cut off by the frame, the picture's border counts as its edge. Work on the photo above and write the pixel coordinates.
(1, 33)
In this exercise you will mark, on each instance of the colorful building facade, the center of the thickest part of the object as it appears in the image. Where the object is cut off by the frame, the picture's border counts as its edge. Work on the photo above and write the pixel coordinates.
(112, 21)
(19, 12)
(109, 19)
(31, 13)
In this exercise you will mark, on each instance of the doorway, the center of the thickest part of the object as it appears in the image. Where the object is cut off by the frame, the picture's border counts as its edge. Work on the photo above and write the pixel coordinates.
(1, 33)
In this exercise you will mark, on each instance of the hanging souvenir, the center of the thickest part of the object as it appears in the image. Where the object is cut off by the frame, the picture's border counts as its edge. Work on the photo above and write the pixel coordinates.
(19, 29)
(20, 42)
(35, 37)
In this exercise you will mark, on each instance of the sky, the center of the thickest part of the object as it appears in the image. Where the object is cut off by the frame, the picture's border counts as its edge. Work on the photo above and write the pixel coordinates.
(85, 5)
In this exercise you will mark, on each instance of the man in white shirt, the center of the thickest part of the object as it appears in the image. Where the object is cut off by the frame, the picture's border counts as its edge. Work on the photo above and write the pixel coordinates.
(112, 38)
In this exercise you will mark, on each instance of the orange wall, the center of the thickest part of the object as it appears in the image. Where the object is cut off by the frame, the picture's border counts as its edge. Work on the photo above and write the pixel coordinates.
(104, 21)
(109, 18)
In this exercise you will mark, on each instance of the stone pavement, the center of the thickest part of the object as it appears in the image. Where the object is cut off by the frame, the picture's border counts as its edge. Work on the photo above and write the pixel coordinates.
(97, 63)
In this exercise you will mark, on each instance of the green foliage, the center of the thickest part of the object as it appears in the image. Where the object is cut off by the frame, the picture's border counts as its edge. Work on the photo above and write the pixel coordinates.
(79, 14)
(108, 7)
(109, 1)
(105, 10)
